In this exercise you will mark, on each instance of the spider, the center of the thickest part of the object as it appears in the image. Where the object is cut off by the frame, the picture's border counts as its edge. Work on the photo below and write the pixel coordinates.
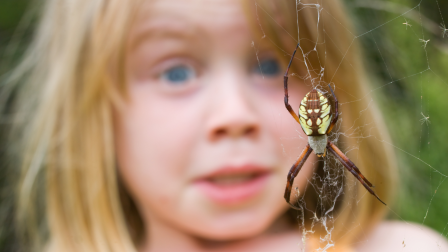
(316, 121)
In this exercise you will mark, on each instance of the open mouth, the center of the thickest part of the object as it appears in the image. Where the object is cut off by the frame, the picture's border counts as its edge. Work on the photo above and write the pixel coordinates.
(230, 180)
(234, 185)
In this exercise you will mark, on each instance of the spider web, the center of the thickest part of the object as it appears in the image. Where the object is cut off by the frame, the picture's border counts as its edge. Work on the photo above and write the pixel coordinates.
(409, 86)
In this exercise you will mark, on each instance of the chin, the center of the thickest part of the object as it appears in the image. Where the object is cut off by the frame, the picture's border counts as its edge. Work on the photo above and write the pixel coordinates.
(232, 234)
(237, 226)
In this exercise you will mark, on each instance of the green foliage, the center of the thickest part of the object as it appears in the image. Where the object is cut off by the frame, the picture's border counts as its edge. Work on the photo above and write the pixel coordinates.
(10, 13)
(15, 30)
(411, 83)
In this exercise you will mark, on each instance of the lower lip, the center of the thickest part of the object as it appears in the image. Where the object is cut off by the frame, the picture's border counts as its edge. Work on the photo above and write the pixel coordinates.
(233, 194)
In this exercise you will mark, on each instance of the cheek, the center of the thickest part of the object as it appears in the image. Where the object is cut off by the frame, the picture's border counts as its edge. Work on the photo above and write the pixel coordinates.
(152, 144)
(281, 125)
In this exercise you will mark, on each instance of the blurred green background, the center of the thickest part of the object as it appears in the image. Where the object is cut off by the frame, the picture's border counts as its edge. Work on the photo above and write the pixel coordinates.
(410, 82)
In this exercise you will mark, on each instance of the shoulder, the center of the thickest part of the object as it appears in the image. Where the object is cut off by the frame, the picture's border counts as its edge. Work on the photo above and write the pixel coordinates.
(403, 236)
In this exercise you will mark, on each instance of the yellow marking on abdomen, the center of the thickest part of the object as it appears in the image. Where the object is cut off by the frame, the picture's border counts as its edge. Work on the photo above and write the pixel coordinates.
(303, 114)
(324, 126)
(325, 111)
(323, 101)
(308, 131)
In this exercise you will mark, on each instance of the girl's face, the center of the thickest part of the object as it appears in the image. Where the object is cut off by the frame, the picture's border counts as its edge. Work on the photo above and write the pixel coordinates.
(205, 143)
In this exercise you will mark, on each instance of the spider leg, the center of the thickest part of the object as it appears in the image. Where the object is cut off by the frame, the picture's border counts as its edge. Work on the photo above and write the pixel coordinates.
(349, 163)
(285, 83)
(336, 114)
(295, 169)
(351, 167)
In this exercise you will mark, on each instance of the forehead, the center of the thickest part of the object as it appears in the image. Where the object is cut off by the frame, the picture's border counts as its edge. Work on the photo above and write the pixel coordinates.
(200, 19)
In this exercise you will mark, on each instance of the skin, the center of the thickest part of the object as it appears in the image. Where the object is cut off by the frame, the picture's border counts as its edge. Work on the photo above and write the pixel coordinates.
(224, 113)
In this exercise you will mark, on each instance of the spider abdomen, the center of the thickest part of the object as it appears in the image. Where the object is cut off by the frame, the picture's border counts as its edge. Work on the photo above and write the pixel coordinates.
(315, 113)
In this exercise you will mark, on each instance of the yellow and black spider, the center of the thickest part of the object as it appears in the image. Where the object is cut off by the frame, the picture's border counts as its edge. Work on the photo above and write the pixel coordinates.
(317, 122)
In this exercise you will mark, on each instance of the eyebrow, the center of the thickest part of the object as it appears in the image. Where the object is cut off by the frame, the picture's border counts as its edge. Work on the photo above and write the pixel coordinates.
(161, 29)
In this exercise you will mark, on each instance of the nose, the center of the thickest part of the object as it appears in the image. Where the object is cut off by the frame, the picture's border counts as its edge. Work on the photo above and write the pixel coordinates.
(234, 129)
(233, 112)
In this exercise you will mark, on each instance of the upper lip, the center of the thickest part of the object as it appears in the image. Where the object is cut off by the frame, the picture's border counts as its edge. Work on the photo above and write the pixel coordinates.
(236, 170)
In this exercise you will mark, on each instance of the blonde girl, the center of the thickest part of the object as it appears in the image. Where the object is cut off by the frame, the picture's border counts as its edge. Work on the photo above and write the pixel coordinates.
(153, 125)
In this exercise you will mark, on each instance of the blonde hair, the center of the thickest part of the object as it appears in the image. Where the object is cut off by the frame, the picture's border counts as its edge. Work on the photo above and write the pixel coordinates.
(63, 128)
(340, 61)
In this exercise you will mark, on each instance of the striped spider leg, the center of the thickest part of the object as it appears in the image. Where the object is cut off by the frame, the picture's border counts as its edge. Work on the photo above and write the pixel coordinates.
(316, 121)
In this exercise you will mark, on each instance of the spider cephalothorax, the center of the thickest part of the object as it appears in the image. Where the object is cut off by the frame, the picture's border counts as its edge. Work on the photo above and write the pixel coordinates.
(317, 120)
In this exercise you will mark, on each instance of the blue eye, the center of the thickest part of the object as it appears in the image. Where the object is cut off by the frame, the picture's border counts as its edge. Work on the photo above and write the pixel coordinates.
(178, 74)
(268, 67)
